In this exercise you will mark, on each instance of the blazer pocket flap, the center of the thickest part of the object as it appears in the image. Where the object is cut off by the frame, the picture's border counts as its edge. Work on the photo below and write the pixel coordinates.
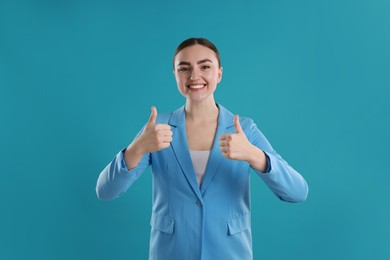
(239, 224)
(162, 223)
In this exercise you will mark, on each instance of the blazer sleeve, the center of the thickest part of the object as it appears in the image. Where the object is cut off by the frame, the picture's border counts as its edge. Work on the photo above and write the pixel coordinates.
(284, 181)
(115, 179)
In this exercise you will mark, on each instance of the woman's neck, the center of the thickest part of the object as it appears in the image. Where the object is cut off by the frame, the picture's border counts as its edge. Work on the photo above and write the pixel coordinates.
(201, 111)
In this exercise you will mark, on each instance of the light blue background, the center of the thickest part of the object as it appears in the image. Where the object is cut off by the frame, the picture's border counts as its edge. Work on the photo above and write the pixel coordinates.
(78, 78)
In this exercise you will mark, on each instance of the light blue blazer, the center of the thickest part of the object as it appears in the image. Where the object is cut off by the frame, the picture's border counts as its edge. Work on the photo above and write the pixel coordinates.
(208, 222)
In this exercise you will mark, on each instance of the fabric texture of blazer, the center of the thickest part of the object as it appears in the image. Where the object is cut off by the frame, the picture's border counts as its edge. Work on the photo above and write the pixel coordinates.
(211, 221)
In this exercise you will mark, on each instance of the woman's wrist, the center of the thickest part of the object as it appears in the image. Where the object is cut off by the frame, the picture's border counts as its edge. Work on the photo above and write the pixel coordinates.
(135, 148)
(257, 159)
(132, 155)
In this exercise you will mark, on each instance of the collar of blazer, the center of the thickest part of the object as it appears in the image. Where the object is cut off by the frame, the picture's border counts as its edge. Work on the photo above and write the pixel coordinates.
(225, 117)
(180, 148)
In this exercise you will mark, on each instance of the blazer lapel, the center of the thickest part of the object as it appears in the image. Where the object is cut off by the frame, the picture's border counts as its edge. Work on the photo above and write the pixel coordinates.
(225, 123)
(180, 148)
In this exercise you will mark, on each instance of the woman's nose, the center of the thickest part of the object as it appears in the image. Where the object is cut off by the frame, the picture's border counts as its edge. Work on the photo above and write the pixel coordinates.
(194, 74)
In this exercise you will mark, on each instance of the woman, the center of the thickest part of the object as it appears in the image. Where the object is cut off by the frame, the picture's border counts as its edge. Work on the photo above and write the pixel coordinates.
(201, 157)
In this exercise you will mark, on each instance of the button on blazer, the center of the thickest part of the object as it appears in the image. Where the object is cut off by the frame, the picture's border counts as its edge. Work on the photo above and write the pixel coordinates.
(207, 222)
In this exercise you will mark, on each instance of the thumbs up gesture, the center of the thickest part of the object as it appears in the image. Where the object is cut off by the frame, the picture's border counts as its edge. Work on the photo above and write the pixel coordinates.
(154, 137)
(236, 146)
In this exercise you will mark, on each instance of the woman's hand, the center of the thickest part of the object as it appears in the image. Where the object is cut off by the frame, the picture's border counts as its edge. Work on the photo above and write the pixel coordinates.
(236, 146)
(153, 138)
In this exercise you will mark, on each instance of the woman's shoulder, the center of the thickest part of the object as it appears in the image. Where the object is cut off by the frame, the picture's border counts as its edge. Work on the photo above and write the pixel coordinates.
(163, 118)
(173, 117)
(244, 120)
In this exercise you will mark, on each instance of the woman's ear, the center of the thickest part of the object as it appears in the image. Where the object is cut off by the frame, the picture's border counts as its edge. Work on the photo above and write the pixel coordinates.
(220, 74)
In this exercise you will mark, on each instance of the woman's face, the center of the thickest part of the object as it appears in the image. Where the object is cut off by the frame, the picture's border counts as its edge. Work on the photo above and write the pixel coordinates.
(197, 72)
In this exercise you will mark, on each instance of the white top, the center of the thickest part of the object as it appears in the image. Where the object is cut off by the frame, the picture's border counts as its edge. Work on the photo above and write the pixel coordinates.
(199, 161)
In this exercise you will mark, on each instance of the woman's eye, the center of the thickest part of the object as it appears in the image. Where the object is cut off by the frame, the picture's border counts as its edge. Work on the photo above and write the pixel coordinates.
(183, 69)
(205, 67)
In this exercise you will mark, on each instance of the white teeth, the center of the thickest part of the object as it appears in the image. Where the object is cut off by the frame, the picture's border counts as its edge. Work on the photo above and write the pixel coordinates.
(196, 86)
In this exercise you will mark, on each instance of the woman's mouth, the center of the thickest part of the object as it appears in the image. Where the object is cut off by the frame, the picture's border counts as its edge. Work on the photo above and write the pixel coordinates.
(197, 86)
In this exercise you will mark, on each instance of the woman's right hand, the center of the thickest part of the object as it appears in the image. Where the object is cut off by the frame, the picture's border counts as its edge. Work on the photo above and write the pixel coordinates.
(154, 137)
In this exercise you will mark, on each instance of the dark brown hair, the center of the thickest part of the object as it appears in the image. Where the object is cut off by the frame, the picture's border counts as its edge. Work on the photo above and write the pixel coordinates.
(201, 41)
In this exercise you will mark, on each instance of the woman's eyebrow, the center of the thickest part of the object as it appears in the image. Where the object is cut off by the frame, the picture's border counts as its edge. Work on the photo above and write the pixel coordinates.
(203, 61)
(199, 62)
(183, 63)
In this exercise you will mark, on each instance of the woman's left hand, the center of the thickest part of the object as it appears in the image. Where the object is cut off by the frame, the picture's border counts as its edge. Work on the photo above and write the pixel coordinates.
(236, 146)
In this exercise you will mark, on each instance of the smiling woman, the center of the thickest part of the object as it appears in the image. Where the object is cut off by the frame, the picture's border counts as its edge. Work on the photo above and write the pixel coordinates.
(197, 73)
(201, 156)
